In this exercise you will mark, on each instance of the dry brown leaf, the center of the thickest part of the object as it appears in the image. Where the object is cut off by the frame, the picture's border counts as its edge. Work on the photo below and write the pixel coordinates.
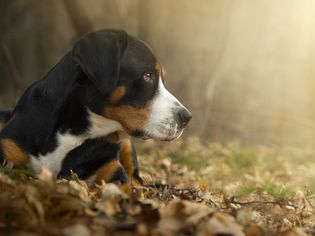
(180, 216)
(292, 232)
(71, 208)
(254, 230)
(111, 191)
(77, 230)
(220, 224)
(203, 185)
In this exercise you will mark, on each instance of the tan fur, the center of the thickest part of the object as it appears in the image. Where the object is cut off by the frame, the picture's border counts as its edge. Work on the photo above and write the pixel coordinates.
(117, 94)
(158, 67)
(112, 138)
(125, 157)
(131, 118)
(1, 125)
(161, 71)
(107, 171)
(13, 153)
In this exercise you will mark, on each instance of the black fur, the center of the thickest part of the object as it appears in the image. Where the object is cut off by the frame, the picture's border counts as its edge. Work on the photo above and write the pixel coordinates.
(120, 175)
(83, 79)
(40, 112)
(85, 159)
(136, 165)
(99, 56)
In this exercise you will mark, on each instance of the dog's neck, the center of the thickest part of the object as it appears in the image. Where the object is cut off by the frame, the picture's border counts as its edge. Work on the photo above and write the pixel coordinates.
(79, 112)
(101, 126)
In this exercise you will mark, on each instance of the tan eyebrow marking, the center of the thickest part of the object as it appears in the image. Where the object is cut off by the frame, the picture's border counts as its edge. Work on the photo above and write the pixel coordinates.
(161, 71)
(158, 68)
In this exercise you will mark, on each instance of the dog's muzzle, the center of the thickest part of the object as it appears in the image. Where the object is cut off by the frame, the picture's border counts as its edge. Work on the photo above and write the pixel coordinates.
(168, 116)
(183, 117)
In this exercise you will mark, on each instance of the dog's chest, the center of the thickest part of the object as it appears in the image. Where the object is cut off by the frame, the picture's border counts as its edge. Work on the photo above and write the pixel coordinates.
(53, 160)
(99, 127)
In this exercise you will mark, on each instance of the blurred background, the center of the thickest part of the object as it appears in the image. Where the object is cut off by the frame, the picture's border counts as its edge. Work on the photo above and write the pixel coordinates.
(246, 69)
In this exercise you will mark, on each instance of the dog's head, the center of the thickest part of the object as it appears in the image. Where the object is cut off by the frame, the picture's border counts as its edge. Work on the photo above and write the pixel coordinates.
(129, 85)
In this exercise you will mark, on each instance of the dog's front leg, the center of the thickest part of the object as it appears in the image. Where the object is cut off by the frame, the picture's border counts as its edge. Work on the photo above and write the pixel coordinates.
(95, 159)
(128, 159)
(111, 172)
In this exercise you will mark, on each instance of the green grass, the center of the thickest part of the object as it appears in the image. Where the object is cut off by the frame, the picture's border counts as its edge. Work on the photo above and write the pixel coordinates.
(276, 190)
(16, 171)
(246, 190)
(187, 159)
(240, 161)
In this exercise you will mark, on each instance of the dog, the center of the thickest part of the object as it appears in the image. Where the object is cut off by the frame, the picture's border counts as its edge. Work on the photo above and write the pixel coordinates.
(80, 116)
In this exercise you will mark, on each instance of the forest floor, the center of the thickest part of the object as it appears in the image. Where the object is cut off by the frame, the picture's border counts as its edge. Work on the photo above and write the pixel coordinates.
(214, 189)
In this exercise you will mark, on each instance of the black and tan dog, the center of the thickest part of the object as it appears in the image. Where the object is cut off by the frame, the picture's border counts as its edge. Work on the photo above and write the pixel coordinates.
(80, 115)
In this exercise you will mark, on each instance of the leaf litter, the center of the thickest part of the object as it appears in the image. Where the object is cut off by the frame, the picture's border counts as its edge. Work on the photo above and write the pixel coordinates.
(200, 189)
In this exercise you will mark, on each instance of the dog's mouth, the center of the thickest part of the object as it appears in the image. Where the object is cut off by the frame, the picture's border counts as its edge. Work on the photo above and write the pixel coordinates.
(159, 134)
(162, 134)
(164, 138)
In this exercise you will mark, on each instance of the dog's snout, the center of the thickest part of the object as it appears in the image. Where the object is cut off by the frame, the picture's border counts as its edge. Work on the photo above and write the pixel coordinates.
(184, 116)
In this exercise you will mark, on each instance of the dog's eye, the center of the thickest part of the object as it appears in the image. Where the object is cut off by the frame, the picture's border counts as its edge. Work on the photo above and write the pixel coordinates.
(148, 77)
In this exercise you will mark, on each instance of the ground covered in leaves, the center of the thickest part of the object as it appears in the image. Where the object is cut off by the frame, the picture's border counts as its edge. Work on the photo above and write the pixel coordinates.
(214, 189)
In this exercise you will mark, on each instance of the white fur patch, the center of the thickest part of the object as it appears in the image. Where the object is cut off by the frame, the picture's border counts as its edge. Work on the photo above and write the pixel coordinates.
(101, 126)
(52, 161)
(66, 142)
(162, 123)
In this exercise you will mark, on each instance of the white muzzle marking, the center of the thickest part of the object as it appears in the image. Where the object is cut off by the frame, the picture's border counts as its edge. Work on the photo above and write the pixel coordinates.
(163, 123)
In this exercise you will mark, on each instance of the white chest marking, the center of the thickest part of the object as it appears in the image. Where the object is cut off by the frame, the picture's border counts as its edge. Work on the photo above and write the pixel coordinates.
(66, 142)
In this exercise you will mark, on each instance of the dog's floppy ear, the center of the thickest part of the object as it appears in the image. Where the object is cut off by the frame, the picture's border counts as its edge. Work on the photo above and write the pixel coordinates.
(99, 54)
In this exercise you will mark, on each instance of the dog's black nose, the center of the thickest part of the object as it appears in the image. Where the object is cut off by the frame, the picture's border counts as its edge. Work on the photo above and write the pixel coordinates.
(184, 116)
